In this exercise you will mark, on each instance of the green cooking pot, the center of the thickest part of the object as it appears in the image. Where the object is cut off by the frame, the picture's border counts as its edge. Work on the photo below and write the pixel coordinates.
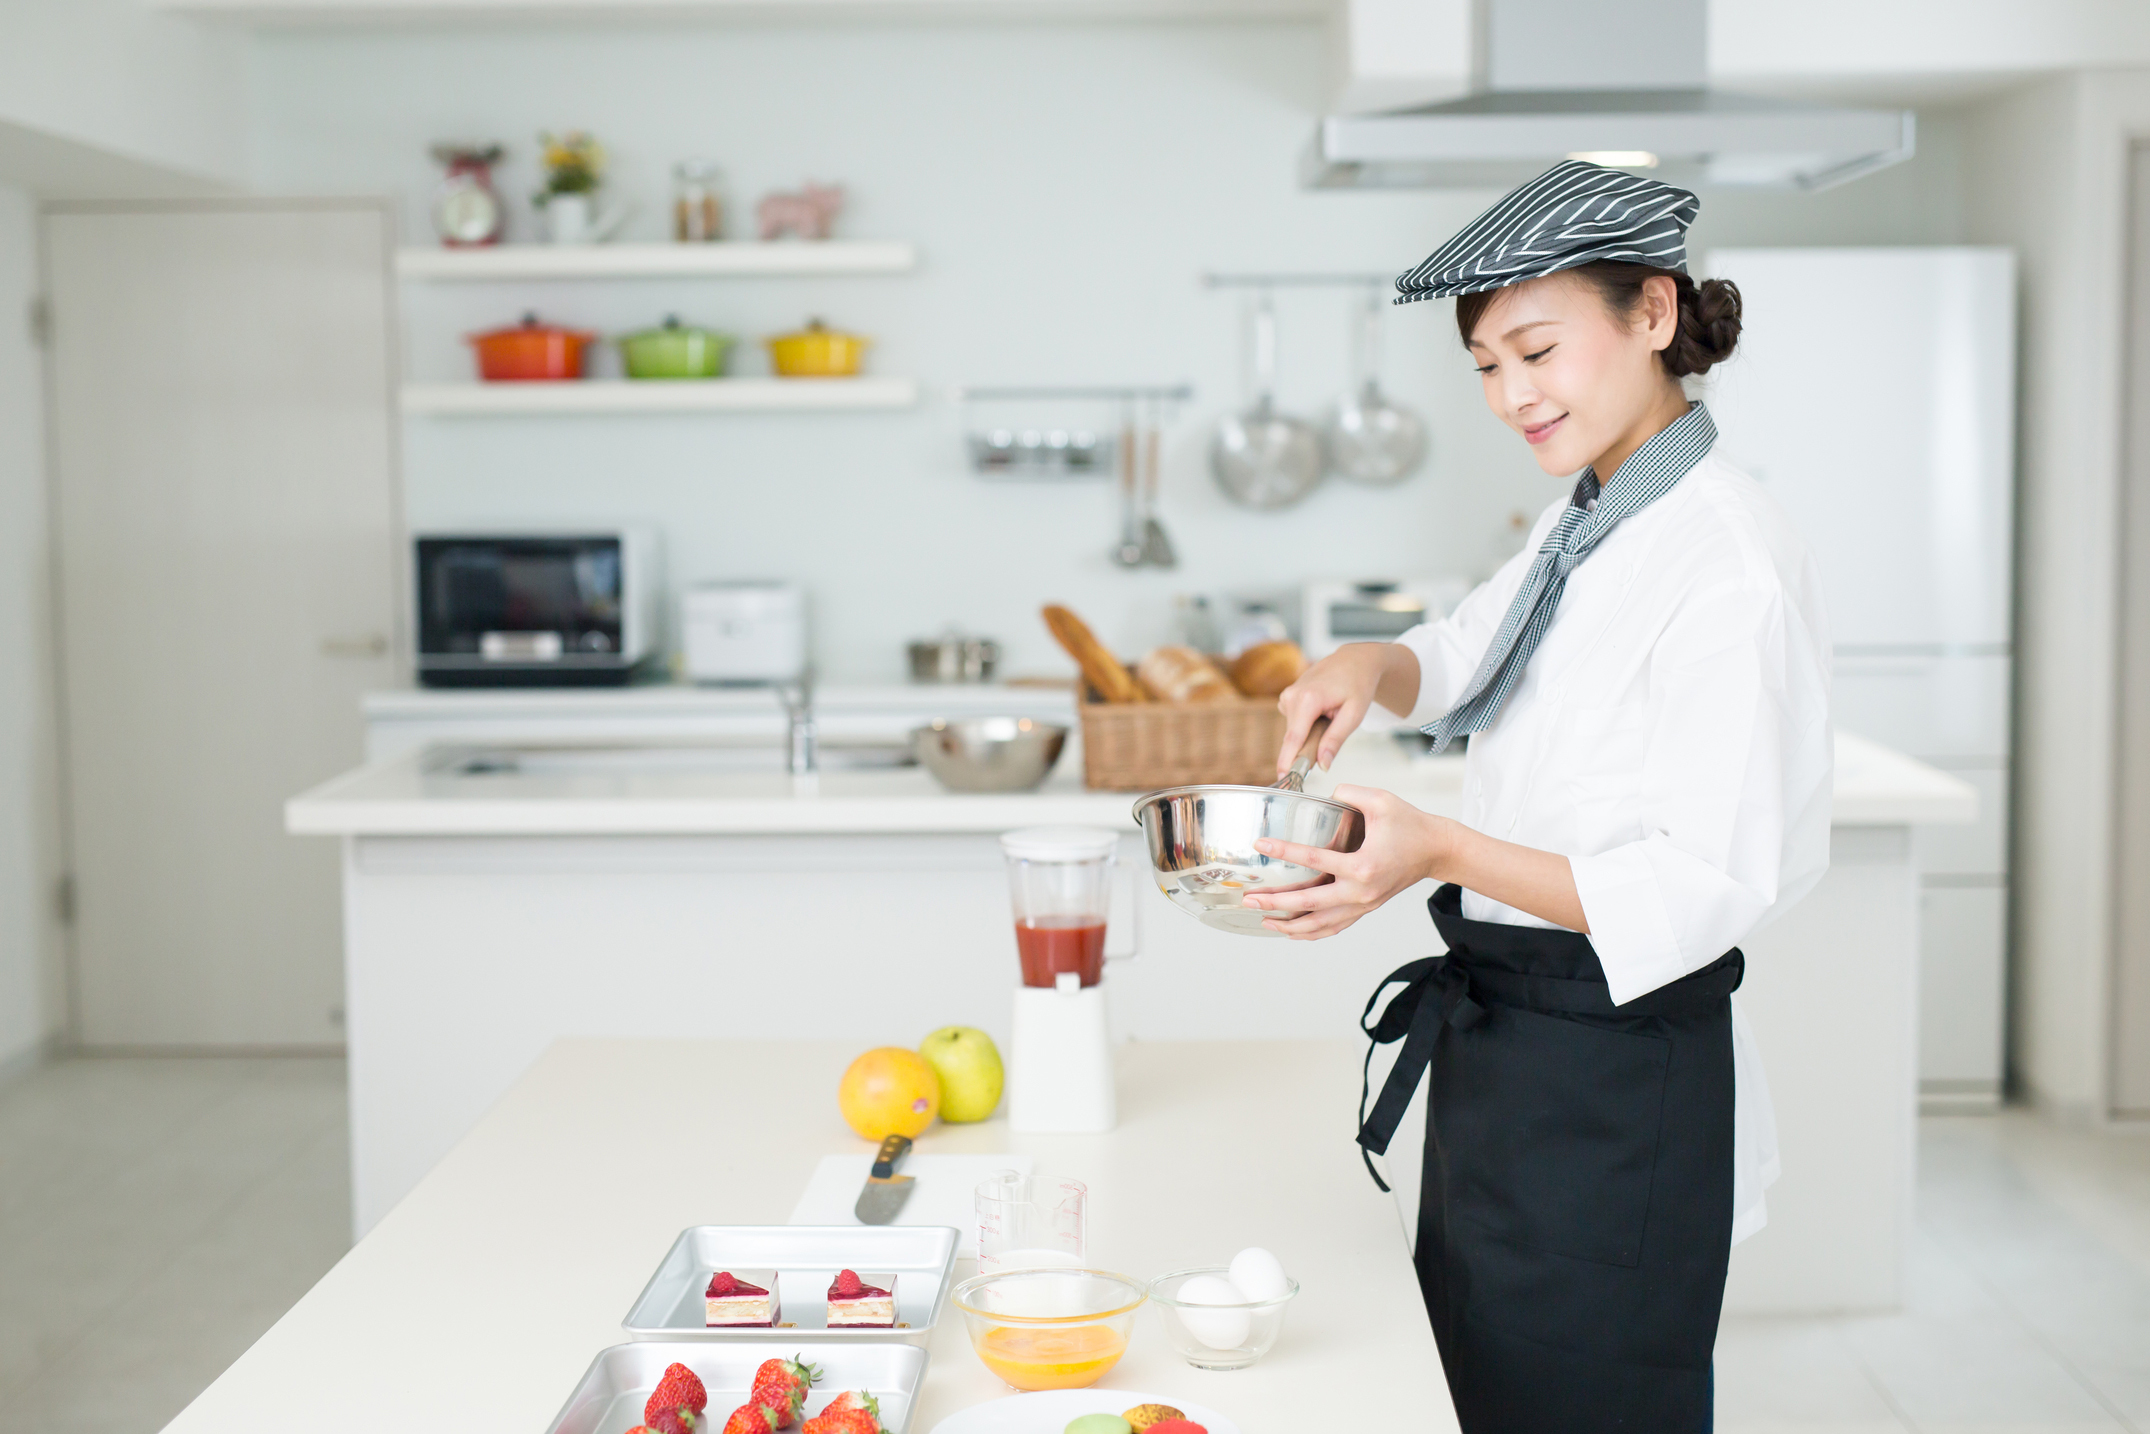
(675, 351)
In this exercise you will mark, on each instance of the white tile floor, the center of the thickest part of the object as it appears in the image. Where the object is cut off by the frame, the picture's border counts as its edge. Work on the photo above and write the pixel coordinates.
(219, 1187)
(2028, 1309)
(214, 1188)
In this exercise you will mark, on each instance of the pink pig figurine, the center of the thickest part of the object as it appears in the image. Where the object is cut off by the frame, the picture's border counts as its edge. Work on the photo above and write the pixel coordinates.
(808, 214)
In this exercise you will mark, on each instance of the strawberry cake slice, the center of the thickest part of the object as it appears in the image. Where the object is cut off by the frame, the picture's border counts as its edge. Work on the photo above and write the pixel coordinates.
(862, 1302)
(742, 1299)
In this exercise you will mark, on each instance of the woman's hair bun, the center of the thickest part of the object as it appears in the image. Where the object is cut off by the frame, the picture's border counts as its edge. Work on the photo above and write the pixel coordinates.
(1708, 329)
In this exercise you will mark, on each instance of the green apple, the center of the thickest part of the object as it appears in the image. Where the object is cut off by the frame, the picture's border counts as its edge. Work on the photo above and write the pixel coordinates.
(968, 1064)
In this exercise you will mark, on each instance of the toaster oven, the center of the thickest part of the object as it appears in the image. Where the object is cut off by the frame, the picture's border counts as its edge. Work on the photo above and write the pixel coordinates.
(535, 609)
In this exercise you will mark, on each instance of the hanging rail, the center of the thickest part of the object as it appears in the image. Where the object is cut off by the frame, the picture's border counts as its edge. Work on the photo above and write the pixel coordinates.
(1169, 393)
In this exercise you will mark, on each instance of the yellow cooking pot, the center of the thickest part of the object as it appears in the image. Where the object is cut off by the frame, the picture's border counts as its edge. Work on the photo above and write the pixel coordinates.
(817, 351)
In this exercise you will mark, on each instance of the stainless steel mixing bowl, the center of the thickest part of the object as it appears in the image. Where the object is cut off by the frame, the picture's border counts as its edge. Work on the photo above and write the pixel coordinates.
(989, 754)
(1201, 847)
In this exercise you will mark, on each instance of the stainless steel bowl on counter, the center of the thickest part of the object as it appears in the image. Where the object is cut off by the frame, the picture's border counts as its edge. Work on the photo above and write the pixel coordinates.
(952, 657)
(1200, 842)
(989, 754)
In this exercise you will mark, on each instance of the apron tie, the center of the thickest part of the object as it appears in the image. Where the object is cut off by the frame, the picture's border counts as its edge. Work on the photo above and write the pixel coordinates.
(1417, 1021)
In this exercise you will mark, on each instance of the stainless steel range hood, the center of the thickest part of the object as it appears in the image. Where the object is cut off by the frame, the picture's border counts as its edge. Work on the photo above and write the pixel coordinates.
(1622, 84)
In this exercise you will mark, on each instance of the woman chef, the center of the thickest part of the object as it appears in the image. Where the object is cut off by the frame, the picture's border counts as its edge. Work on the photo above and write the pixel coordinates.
(1646, 690)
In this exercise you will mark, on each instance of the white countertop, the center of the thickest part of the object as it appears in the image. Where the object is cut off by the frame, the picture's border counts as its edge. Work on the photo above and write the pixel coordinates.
(688, 699)
(481, 1298)
(656, 790)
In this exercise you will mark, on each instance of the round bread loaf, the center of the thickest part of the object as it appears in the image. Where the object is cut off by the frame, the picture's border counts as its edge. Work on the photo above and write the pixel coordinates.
(1181, 674)
(1267, 668)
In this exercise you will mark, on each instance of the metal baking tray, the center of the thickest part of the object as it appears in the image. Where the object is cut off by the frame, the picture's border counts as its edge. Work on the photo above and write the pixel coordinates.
(805, 1258)
(618, 1382)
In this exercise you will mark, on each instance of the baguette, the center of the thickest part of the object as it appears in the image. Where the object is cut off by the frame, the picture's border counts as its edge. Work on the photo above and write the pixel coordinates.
(1100, 669)
(1181, 674)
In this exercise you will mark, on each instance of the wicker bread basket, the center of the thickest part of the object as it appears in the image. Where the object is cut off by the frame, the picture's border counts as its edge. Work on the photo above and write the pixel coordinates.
(1142, 746)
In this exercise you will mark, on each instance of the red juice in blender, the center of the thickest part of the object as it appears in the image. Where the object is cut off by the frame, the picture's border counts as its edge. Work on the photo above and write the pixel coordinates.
(1059, 879)
(1049, 945)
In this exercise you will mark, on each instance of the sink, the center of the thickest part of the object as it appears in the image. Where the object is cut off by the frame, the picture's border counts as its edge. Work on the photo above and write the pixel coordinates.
(654, 760)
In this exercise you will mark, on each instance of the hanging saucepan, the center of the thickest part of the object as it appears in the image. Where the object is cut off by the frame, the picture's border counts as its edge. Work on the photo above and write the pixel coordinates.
(1263, 458)
(1372, 439)
(1201, 839)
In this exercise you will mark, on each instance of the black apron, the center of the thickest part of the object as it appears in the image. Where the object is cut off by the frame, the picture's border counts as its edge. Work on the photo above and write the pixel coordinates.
(1576, 1212)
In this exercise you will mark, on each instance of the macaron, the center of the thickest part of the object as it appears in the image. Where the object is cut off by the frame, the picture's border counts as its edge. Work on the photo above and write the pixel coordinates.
(1098, 1424)
(1177, 1426)
(1147, 1416)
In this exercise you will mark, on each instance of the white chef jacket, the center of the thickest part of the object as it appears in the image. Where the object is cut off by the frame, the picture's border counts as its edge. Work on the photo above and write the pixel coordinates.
(1670, 736)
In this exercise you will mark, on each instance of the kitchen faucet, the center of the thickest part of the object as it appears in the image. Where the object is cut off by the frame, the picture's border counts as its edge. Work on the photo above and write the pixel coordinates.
(798, 700)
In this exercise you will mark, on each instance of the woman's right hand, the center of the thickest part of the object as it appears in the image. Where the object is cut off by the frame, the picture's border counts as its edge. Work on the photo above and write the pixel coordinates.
(1341, 687)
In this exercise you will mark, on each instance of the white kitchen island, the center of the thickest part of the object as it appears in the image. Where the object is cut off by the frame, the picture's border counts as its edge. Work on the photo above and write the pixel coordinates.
(479, 1301)
(646, 892)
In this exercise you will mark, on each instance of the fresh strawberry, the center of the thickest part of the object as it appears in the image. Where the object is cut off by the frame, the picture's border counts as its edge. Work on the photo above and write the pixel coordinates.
(851, 1412)
(841, 1421)
(676, 1406)
(855, 1399)
(751, 1417)
(781, 1384)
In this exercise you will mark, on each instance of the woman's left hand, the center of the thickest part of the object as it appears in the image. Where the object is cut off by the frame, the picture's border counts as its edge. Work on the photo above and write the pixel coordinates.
(1403, 847)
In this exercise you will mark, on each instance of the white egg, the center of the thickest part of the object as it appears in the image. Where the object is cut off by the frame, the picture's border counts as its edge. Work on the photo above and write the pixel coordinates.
(1217, 1328)
(1258, 1276)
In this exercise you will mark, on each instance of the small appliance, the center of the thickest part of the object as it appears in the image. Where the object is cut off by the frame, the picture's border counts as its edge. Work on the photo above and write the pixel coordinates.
(499, 608)
(1060, 1076)
(743, 632)
(1372, 610)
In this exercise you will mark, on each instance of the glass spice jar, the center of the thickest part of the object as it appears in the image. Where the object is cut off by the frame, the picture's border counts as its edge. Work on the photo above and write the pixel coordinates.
(697, 211)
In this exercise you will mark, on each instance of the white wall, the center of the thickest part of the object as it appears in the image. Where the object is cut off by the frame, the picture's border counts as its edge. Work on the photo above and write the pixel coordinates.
(32, 1008)
(2052, 180)
(109, 96)
(1067, 185)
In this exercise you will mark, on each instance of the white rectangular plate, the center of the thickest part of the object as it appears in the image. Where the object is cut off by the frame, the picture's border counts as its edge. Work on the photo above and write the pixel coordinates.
(805, 1258)
(618, 1383)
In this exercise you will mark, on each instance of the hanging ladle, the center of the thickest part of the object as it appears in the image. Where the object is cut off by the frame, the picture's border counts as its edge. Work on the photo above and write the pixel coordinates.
(1156, 547)
(1371, 439)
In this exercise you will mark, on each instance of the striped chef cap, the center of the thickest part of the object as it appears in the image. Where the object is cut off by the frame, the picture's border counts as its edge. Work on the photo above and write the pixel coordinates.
(1574, 213)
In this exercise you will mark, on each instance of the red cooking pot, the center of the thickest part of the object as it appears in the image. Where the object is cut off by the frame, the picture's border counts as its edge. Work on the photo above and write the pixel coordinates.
(530, 350)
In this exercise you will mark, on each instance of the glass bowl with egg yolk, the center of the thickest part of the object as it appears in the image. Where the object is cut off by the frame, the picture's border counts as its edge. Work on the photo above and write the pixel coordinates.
(1050, 1328)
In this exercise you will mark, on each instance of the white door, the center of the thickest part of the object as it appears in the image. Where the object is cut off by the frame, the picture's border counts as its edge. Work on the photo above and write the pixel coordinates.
(223, 451)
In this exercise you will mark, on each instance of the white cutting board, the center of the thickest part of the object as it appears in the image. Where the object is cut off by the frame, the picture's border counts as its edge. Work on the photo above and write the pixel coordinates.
(946, 1192)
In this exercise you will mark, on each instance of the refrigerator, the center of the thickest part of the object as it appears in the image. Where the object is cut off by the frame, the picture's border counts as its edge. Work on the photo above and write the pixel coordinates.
(1873, 394)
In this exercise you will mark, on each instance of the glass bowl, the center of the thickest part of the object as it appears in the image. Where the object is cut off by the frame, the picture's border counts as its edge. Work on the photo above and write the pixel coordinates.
(1218, 1336)
(1051, 1328)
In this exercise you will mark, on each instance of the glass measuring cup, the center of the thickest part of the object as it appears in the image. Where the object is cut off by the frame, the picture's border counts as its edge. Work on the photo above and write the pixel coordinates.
(1028, 1223)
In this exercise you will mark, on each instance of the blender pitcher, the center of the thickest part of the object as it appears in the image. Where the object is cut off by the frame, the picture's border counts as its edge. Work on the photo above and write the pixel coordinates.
(1060, 1059)
(1060, 881)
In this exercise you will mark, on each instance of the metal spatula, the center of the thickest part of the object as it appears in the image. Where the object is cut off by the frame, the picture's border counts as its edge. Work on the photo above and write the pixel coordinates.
(885, 1191)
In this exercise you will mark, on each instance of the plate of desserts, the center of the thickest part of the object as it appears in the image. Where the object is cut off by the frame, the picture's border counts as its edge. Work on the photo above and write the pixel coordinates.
(811, 1283)
(762, 1387)
(1086, 1411)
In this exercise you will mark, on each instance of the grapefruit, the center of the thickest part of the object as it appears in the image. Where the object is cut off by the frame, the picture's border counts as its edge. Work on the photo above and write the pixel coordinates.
(889, 1091)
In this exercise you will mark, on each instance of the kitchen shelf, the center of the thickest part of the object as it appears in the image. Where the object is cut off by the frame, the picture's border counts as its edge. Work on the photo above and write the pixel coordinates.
(650, 261)
(733, 395)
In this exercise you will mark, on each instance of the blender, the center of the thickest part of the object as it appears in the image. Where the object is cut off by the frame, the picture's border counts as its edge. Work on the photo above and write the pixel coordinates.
(1060, 1061)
